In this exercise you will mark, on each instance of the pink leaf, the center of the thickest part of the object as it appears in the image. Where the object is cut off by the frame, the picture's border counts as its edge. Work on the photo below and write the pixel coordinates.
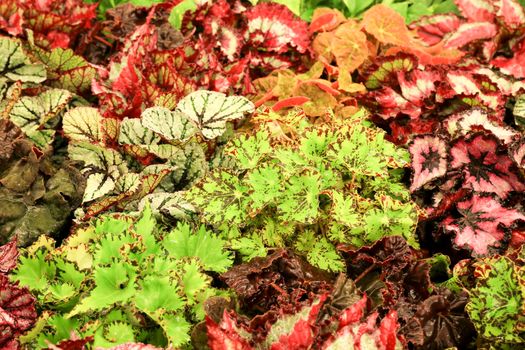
(512, 66)
(432, 29)
(484, 168)
(511, 12)
(429, 160)
(478, 228)
(225, 336)
(17, 311)
(276, 28)
(469, 32)
(8, 256)
(476, 10)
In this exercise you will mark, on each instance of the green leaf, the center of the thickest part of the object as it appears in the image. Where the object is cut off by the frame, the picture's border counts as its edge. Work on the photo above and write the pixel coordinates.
(31, 113)
(300, 201)
(496, 303)
(211, 110)
(193, 281)
(15, 65)
(221, 198)
(183, 243)
(113, 284)
(155, 293)
(134, 132)
(248, 151)
(178, 12)
(176, 329)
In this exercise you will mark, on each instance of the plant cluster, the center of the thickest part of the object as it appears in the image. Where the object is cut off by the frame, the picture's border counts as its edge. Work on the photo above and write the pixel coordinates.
(262, 174)
(163, 151)
(121, 279)
(329, 183)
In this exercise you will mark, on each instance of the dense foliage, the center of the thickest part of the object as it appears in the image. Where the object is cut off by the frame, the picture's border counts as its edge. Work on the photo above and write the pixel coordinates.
(244, 174)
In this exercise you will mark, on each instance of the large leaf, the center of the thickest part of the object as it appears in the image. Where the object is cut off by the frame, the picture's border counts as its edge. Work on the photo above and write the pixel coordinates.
(484, 167)
(386, 25)
(480, 227)
(211, 110)
(173, 126)
(83, 124)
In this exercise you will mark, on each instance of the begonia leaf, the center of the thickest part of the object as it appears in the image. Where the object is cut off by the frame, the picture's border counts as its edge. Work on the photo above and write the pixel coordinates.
(276, 28)
(211, 110)
(174, 126)
(478, 228)
(386, 25)
(8, 256)
(484, 168)
(469, 32)
(476, 10)
(429, 160)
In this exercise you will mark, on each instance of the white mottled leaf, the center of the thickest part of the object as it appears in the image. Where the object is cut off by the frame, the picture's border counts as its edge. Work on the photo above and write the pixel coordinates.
(133, 132)
(31, 112)
(97, 185)
(171, 125)
(211, 110)
(129, 182)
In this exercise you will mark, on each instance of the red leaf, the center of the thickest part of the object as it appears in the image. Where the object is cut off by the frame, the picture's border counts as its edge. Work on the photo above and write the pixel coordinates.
(469, 32)
(476, 10)
(353, 313)
(511, 12)
(17, 311)
(290, 102)
(478, 228)
(276, 28)
(432, 29)
(429, 160)
(512, 66)
(388, 331)
(13, 25)
(8, 256)
(325, 19)
(225, 336)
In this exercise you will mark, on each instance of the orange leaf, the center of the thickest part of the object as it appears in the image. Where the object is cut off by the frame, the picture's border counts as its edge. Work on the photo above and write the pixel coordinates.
(325, 19)
(386, 25)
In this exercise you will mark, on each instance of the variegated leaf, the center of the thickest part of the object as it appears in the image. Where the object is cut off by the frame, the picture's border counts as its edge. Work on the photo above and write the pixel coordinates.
(133, 132)
(83, 124)
(211, 110)
(170, 125)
